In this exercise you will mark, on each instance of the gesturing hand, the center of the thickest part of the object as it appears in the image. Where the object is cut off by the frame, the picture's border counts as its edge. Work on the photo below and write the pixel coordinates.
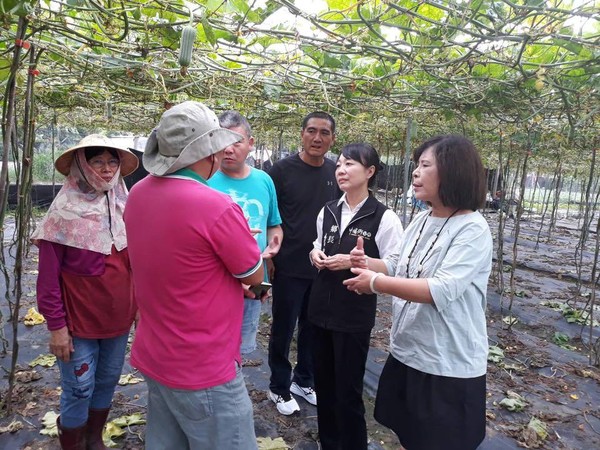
(360, 283)
(357, 255)
(273, 248)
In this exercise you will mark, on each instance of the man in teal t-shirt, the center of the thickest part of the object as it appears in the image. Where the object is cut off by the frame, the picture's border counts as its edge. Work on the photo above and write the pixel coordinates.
(254, 191)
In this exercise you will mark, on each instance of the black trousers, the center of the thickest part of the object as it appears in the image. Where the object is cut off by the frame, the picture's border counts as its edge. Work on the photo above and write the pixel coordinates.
(340, 360)
(290, 305)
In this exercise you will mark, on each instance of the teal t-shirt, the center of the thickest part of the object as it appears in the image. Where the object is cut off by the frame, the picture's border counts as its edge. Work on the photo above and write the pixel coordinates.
(256, 195)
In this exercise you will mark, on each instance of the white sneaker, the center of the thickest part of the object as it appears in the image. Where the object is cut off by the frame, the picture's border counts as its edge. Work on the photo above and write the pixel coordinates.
(307, 393)
(285, 407)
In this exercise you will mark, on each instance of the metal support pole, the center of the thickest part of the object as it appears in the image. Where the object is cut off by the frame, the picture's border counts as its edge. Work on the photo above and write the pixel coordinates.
(409, 132)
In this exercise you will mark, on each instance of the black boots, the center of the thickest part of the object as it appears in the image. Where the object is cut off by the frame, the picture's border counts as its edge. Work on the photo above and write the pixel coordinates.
(95, 425)
(71, 438)
(86, 437)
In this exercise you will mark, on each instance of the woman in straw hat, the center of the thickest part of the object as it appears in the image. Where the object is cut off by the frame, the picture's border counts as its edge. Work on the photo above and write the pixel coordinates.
(84, 285)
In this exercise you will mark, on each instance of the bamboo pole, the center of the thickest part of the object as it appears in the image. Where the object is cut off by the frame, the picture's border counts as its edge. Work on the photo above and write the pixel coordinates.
(409, 125)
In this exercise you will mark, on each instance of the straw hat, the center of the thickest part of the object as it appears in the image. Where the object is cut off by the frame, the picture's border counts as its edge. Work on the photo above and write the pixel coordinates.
(185, 134)
(129, 161)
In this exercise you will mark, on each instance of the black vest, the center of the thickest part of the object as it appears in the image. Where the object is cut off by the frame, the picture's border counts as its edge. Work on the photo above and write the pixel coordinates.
(332, 306)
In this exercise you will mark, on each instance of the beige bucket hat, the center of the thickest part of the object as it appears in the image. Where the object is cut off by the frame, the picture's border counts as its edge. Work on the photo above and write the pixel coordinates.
(129, 161)
(186, 133)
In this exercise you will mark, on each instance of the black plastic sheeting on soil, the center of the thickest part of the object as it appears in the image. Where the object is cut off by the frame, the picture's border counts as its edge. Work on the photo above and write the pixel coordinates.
(535, 367)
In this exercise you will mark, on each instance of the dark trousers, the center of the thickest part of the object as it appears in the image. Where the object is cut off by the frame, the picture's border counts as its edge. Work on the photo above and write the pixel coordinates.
(290, 304)
(340, 360)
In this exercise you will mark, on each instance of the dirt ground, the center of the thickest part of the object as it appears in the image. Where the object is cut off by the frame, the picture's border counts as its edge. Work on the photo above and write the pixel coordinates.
(544, 371)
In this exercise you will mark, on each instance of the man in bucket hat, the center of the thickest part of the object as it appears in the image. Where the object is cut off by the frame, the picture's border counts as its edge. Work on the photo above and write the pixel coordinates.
(191, 249)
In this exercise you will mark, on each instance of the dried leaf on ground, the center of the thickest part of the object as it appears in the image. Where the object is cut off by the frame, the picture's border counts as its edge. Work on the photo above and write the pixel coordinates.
(129, 379)
(495, 354)
(252, 362)
(510, 320)
(111, 431)
(513, 402)
(33, 317)
(539, 427)
(12, 427)
(588, 373)
(534, 433)
(518, 367)
(116, 428)
(49, 423)
(266, 443)
(29, 410)
(27, 376)
(133, 419)
(47, 360)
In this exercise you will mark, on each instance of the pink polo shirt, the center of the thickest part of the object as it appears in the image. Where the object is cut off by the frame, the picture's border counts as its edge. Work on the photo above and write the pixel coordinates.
(188, 245)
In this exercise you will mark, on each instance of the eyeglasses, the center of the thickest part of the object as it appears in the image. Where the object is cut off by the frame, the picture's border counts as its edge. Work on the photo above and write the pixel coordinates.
(100, 163)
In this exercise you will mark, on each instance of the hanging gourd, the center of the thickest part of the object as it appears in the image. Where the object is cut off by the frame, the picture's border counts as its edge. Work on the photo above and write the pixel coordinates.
(186, 46)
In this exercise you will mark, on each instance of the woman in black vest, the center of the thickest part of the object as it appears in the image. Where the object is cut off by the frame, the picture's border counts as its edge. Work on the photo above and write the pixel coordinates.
(344, 319)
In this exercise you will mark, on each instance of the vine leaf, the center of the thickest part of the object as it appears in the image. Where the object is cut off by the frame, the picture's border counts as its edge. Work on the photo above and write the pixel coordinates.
(129, 379)
(495, 354)
(12, 427)
(534, 433)
(208, 31)
(266, 443)
(47, 360)
(513, 402)
(116, 428)
(49, 424)
(33, 317)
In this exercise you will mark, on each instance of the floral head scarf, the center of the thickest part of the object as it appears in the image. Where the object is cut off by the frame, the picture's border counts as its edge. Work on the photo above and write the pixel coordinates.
(87, 212)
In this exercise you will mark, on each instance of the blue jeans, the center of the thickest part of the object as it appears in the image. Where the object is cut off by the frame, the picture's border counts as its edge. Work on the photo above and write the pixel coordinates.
(89, 379)
(252, 309)
(219, 417)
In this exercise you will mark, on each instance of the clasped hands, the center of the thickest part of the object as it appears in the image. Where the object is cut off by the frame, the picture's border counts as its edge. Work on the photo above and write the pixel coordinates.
(336, 262)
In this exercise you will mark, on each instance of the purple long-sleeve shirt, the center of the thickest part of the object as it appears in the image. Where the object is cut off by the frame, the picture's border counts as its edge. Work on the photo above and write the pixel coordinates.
(53, 259)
